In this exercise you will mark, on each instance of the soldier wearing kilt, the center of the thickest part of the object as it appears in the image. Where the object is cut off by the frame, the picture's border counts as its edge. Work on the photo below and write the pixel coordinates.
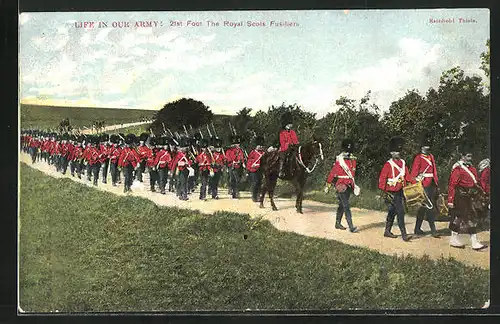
(253, 167)
(343, 172)
(204, 161)
(392, 179)
(424, 169)
(162, 162)
(463, 189)
(150, 163)
(217, 164)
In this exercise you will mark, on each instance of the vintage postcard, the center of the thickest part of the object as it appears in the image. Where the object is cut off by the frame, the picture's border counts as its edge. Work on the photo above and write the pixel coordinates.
(254, 161)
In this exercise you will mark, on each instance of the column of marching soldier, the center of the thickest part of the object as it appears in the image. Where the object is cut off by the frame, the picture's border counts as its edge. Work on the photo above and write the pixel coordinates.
(173, 164)
(176, 164)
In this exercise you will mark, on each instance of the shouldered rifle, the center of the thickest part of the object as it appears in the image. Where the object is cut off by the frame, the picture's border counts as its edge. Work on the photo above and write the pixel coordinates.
(209, 133)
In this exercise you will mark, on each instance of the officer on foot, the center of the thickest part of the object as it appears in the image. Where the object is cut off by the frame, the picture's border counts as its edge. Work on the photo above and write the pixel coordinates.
(343, 171)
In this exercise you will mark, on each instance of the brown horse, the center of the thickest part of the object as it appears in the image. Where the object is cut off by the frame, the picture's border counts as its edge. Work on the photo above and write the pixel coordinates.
(303, 160)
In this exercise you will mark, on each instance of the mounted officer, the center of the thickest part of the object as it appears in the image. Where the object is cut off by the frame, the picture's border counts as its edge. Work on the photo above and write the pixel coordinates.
(288, 140)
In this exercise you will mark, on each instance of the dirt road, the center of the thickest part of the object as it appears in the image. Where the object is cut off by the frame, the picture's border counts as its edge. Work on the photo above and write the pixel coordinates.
(317, 221)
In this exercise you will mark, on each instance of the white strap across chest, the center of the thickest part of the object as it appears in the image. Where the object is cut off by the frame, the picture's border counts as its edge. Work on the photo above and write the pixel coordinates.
(460, 163)
(344, 166)
(401, 171)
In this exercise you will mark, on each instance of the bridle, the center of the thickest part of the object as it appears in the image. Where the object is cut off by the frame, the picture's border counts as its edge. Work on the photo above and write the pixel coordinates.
(301, 162)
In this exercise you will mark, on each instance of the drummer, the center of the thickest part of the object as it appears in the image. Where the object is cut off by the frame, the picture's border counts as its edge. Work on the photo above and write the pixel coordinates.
(424, 170)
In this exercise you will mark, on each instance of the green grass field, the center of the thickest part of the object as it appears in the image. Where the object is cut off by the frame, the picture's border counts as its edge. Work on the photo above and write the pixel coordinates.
(86, 250)
(50, 117)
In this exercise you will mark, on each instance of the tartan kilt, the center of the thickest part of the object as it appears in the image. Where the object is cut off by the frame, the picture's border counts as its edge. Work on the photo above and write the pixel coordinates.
(466, 214)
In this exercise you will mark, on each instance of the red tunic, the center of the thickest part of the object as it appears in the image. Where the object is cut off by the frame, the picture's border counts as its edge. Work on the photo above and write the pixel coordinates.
(76, 153)
(128, 157)
(204, 160)
(93, 156)
(287, 137)
(144, 152)
(253, 162)
(460, 178)
(338, 172)
(426, 165)
(235, 157)
(485, 180)
(218, 161)
(391, 179)
(114, 154)
(163, 159)
(181, 161)
(150, 161)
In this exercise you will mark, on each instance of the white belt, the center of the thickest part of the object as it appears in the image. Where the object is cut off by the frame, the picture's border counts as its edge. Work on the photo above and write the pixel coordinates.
(343, 177)
(428, 175)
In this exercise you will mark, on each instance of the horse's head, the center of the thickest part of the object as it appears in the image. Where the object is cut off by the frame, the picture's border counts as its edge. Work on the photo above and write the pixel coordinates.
(312, 150)
(317, 147)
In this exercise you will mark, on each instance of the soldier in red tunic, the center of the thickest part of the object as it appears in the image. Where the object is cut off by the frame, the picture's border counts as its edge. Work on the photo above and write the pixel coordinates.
(114, 155)
(424, 169)
(128, 161)
(204, 161)
(105, 150)
(463, 187)
(162, 163)
(75, 158)
(288, 140)
(393, 177)
(218, 162)
(150, 163)
(235, 159)
(484, 175)
(253, 167)
(94, 159)
(183, 165)
(343, 172)
(144, 153)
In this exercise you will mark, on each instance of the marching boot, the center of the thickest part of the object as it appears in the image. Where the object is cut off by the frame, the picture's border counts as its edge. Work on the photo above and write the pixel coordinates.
(434, 233)
(405, 236)
(476, 245)
(455, 241)
(338, 224)
(388, 227)
(418, 223)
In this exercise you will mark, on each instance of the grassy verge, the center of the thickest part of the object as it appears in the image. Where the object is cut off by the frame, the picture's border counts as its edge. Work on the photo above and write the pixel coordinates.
(86, 250)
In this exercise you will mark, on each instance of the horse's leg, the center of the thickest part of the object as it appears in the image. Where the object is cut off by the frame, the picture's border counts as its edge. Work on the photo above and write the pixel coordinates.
(265, 188)
(272, 186)
(300, 195)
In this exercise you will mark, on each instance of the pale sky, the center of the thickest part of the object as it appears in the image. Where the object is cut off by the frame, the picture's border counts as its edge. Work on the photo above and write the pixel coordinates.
(329, 54)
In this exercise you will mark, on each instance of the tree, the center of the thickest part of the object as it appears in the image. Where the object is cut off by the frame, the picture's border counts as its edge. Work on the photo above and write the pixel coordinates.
(183, 112)
(485, 60)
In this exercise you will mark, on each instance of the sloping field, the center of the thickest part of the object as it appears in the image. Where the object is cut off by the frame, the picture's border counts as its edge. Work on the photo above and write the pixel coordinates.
(51, 116)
